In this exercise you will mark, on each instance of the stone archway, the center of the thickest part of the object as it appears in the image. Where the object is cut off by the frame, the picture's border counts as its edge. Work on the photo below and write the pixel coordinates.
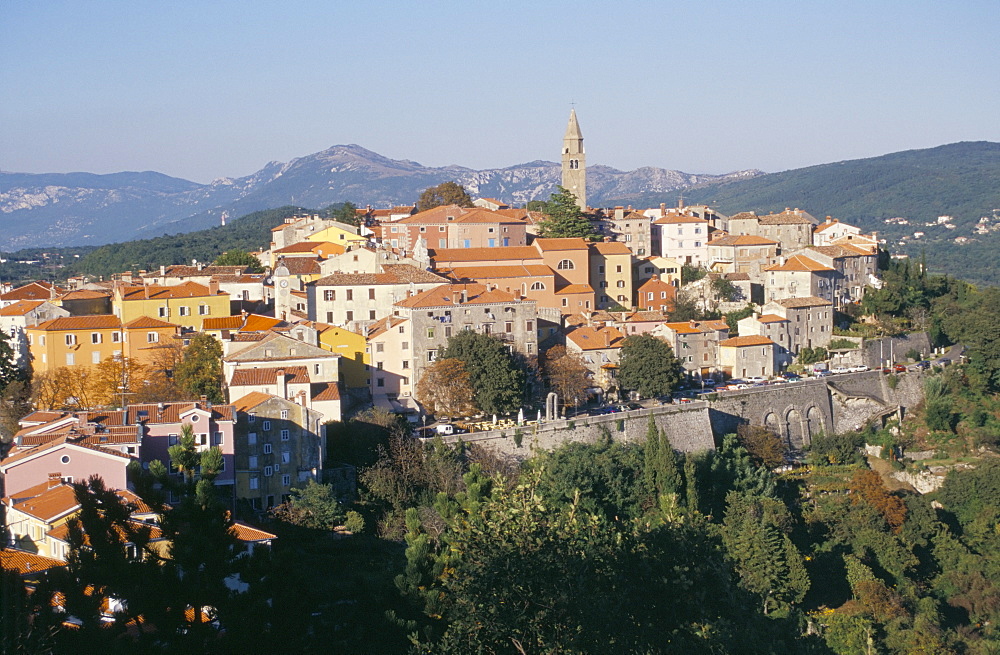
(814, 423)
(794, 429)
(771, 423)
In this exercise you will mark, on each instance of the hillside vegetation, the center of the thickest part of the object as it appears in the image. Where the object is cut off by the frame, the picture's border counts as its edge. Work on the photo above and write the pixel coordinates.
(249, 233)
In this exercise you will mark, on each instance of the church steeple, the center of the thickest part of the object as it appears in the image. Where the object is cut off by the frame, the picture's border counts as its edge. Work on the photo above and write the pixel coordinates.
(574, 161)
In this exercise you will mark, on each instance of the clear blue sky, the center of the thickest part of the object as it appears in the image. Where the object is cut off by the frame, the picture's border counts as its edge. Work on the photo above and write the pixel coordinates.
(217, 88)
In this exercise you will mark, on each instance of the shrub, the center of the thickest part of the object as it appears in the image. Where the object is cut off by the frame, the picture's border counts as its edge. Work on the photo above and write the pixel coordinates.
(836, 448)
(892, 381)
(838, 344)
(355, 523)
(571, 425)
(913, 354)
(620, 424)
(518, 438)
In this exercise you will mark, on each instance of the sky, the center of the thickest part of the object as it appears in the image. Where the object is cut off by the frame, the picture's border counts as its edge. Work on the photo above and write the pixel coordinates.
(202, 90)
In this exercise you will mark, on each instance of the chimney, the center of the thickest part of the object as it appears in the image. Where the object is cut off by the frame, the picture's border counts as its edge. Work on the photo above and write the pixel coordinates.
(465, 296)
(282, 384)
(663, 208)
(163, 270)
(204, 400)
(200, 266)
(213, 286)
(302, 398)
(55, 479)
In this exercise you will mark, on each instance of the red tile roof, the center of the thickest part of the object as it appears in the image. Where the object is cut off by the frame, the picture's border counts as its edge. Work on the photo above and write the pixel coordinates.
(771, 318)
(245, 532)
(322, 391)
(27, 563)
(807, 301)
(20, 308)
(751, 340)
(571, 289)
(589, 338)
(147, 323)
(800, 263)
(611, 248)
(50, 504)
(38, 290)
(488, 255)
(251, 400)
(94, 322)
(574, 243)
(157, 292)
(452, 294)
(245, 377)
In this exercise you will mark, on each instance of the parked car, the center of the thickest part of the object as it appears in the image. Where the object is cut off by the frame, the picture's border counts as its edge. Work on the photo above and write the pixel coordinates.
(791, 377)
(757, 379)
(899, 368)
(860, 368)
(837, 370)
(922, 365)
(627, 406)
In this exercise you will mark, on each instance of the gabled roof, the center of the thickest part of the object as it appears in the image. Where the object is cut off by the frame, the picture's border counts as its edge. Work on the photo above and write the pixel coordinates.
(743, 240)
(646, 317)
(93, 322)
(323, 391)
(20, 308)
(147, 323)
(807, 301)
(172, 412)
(222, 322)
(751, 340)
(571, 289)
(27, 563)
(800, 263)
(61, 441)
(601, 338)
(672, 219)
(299, 265)
(498, 272)
(383, 325)
(771, 318)
(448, 295)
(51, 504)
(841, 251)
(183, 270)
(157, 292)
(309, 247)
(258, 352)
(252, 400)
(248, 533)
(503, 253)
(611, 248)
(391, 274)
(38, 290)
(246, 377)
(549, 244)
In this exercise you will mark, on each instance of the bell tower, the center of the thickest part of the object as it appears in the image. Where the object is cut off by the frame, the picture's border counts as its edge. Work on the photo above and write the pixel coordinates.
(574, 162)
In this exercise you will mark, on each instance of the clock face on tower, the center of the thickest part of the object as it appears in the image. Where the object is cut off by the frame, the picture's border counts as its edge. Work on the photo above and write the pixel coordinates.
(284, 283)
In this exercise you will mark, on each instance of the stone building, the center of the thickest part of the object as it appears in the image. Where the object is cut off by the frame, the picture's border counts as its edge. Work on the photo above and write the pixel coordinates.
(747, 356)
(574, 162)
(611, 274)
(792, 228)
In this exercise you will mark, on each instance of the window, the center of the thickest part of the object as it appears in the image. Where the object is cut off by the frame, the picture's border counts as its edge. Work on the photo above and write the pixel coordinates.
(350, 294)
(70, 339)
(95, 357)
(406, 363)
(566, 265)
(286, 480)
(565, 302)
(371, 315)
(70, 359)
(619, 269)
(268, 471)
(406, 345)
(152, 337)
(402, 329)
(285, 435)
(251, 417)
(116, 337)
(284, 413)
(378, 365)
(252, 438)
(447, 331)
(371, 294)
(380, 382)
(379, 347)
(252, 462)
(432, 355)
(95, 337)
(267, 449)
(604, 284)
(621, 298)
(286, 457)
(538, 286)
(508, 327)
(600, 269)
(621, 284)
(254, 483)
(171, 439)
(184, 311)
(442, 243)
(406, 381)
(430, 333)
(350, 316)
(529, 326)
(267, 426)
(163, 312)
(204, 310)
(329, 294)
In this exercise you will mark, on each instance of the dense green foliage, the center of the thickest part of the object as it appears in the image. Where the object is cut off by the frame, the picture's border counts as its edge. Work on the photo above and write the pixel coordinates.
(239, 258)
(199, 373)
(564, 218)
(496, 374)
(250, 233)
(648, 366)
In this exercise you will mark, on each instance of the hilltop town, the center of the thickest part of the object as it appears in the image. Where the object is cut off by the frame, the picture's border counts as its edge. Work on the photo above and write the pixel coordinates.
(449, 316)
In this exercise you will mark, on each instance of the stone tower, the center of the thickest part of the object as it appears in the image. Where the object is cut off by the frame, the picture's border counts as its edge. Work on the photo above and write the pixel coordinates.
(574, 162)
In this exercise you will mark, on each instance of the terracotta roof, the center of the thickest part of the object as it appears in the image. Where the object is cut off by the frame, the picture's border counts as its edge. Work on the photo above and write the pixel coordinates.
(771, 318)
(222, 323)
(671, 219)
(300, 265)
(589, 338)
(183, 270)
(147, 322)
(646, 317)
(38, 290)
(27, 563)
(736, 277)
(251, 400)
(259, 323)
(391, 274)
(383, 325)
(447, 295)
(743, 240)
(574, 243)
(685, 327)
(841, 251)
(61, 532)
(171, 412)
(322, 391)
(498, 272)
(503, 253)
(138, 505)
(807, 301)
(158, 292)
(84, 294)
(715, 325)
(783, 218)
(611, 248)
(245, 532)
(94, 322)
(751, 340)
(245, 377)
(309, 247)
(574, 288)
(827, 225)
(20, 308)
(51, 504)
(799, 263)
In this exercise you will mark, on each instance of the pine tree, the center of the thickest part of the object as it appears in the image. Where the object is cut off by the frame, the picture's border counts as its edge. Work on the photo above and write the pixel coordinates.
(564, 218)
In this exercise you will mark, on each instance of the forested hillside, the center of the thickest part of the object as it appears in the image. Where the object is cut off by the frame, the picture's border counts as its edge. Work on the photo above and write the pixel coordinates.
(249, 233)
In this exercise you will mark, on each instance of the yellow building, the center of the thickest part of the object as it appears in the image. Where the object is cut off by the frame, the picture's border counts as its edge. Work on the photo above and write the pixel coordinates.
(339, 235)
(351, 346)
(186, 304)
(88, 340)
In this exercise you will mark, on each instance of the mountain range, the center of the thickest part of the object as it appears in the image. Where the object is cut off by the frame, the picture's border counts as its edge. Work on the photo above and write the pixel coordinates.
(39, 210)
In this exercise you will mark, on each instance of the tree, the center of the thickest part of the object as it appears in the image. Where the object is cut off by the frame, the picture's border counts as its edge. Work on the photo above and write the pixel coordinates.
(866, 487)
(315, 507)
(648, 366)
(237, 257)
(116, 380)
(15, 403)
(566, 373)
(184, 454)
(564, 218)
(445, 388)
(199, 373)
(446, 193)
(346, 212)
(496, 375)
(10, 372)
(765, 447)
